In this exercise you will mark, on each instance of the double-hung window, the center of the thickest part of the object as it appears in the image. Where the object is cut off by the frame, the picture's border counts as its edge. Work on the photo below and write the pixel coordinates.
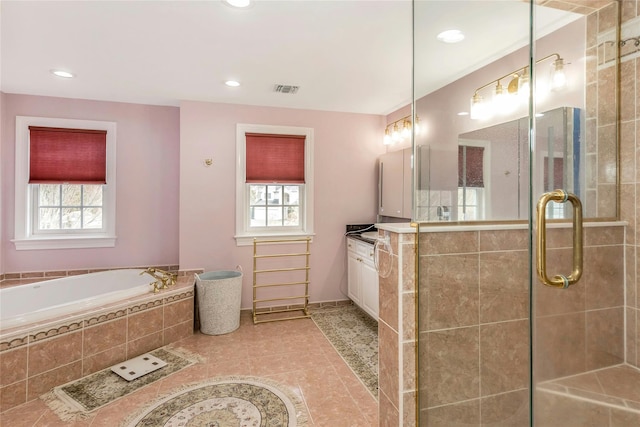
(471, 183)
(274, 182)
(65, 183)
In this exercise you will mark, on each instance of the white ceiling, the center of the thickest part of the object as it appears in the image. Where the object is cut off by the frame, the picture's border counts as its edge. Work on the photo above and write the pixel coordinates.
(348, 56)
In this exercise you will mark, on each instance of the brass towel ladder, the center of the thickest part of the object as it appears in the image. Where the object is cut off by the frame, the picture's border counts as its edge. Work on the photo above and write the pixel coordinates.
(302, 300)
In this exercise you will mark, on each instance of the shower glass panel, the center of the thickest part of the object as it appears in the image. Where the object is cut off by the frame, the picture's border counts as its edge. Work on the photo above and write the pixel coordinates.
(494, 345)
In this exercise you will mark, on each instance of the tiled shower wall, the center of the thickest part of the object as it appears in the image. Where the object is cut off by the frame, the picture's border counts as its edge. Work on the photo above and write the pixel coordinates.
(630, 183)
(473, 328)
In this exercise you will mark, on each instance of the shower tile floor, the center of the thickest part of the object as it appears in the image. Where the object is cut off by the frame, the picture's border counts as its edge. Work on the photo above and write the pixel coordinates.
(615, 387)
(293, 352)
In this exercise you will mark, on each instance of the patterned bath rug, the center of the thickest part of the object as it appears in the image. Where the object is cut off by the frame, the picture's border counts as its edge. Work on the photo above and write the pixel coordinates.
(76, 399)
(354, 335)
(226, 402)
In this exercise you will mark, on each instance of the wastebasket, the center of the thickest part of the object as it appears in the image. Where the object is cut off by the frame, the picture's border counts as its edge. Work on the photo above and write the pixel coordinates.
(219, 295)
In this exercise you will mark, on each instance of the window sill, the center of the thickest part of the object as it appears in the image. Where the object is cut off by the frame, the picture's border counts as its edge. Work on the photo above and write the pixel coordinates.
(247, 240)
(71, 242)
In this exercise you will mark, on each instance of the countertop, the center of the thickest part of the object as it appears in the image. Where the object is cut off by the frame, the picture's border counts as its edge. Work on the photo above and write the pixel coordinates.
(358, 236)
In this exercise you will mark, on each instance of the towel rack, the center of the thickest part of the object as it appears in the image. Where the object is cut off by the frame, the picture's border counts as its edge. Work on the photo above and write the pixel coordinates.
(297, 267)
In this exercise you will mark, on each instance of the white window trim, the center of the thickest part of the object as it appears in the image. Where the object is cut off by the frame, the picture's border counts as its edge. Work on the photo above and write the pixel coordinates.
(243, 236)
(24, 237)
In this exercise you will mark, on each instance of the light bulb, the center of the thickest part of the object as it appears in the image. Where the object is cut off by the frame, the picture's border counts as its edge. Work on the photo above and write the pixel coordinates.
(501, 98)
(387, 137)
(395, 135)
(558, 77)
(406, 128)
(479, 109)
(523, 85)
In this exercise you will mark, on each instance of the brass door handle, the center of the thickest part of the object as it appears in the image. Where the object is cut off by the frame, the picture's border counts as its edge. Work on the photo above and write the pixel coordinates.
(559, 281)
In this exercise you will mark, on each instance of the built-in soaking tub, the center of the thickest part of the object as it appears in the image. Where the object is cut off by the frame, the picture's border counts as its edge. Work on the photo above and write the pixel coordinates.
(25, 304)
(47, 339)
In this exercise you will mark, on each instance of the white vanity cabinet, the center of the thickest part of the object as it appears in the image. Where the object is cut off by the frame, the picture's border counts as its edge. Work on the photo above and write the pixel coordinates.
(362, 276)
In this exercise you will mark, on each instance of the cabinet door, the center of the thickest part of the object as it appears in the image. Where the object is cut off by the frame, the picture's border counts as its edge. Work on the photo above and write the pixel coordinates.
(390, 185)
(370, 289)
(353, 277)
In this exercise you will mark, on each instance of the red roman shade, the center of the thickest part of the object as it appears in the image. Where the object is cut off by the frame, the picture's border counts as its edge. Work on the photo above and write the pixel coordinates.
(75, 156)
(470, 166)
(274, 158)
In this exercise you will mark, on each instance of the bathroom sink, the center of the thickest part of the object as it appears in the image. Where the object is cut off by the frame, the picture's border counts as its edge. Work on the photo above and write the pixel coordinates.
(372, 235)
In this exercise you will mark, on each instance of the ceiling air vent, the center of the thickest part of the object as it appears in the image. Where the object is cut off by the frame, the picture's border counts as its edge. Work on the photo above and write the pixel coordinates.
(286, 89)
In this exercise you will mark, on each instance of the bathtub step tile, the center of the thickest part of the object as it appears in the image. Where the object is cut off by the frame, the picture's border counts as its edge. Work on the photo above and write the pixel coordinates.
(104, 336)
(144, 323)
(52, 354)
(144, 344)
(104, 359)
(39, 384)
(13, 366)
(13, 395)
(178, 332)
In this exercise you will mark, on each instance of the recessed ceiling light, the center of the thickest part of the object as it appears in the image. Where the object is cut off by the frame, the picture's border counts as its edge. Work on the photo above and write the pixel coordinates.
(238, 3)
(451, 36)
(232, 83)
(61, 73)
(463, 113)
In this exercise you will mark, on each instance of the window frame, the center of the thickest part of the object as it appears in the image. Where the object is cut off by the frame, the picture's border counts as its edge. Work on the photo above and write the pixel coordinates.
(25, 207)
(483, 205)
(244, 233)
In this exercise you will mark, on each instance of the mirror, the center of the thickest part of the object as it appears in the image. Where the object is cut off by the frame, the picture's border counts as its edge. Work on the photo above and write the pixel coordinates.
(493, 162)
(576, 161)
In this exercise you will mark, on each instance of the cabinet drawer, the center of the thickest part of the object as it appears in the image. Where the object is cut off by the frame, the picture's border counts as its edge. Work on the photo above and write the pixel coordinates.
(365, 250)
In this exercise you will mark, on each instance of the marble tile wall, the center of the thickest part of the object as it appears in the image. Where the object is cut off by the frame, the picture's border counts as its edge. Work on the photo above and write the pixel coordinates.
(474, 322)
(396, 335)
(629, 182)
(35, 359)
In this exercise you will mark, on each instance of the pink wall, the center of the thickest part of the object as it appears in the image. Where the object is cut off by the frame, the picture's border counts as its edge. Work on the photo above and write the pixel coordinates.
(346, 148)
(147, 150)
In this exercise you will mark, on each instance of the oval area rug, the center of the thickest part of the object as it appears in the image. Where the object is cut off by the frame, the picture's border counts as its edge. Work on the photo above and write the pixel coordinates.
(226, 402)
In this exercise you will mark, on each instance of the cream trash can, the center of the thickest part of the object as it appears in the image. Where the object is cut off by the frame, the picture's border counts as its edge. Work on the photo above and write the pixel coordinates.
(219, 294)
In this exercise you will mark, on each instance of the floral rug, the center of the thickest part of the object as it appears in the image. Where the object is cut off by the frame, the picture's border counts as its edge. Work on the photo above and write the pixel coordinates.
(354, 335)
(78, 398)
(226, 402)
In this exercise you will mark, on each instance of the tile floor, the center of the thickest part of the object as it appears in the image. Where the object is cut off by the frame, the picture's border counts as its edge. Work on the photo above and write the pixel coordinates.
(292, 352)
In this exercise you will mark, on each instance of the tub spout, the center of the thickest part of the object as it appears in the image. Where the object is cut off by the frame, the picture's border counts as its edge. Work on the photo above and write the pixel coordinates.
(163, 278)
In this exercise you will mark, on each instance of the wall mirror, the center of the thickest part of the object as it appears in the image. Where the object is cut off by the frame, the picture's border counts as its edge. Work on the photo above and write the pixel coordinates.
(493, 162)
(478, 111)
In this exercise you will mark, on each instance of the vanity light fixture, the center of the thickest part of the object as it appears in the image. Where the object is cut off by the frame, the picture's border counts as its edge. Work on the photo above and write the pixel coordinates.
(63, 74)
(400, 129)
(505, 98)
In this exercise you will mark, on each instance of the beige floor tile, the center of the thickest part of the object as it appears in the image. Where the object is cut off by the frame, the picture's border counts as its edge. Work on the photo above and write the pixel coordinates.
(292, 353)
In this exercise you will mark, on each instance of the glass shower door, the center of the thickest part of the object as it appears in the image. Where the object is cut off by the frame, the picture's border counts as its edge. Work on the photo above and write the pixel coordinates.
(496, 346)
(584, 367)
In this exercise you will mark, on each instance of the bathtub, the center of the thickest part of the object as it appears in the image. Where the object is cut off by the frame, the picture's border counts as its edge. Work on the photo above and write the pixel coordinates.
(25, 304)
(48, 340)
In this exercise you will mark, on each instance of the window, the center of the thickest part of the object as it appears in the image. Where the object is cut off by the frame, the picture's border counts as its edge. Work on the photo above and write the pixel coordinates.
(274, 182)
(472, 158)
(65, 183)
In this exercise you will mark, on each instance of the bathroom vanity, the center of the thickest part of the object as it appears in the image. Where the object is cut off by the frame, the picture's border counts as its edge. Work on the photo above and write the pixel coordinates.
(362, 275)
